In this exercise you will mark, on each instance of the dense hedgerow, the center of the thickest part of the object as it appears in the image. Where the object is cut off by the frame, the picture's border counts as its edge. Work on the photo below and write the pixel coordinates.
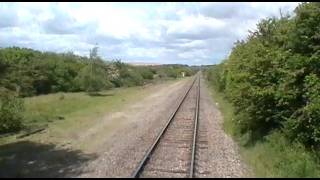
(273, 78)
(26, 72)
(29, 72)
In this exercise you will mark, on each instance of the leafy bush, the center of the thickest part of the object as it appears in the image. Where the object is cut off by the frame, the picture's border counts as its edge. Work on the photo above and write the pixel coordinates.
(11, 108)
(92, 78)
(272, 78)
(272, 156)
(130, 77)
(174, 71)
(29, 72)
(145, 72)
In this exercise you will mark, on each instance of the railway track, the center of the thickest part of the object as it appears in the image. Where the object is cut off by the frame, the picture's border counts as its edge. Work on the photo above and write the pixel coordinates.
(178, 149)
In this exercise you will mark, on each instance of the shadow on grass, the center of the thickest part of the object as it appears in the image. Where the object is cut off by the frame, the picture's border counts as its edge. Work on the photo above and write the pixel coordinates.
(30, 159)
(99, 94)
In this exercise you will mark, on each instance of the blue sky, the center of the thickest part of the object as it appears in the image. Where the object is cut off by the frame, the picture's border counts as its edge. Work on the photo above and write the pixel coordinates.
(185, 33)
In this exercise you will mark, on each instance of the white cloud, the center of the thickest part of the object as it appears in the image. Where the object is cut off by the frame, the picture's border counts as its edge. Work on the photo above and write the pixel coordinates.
(194, 26)
(192, 33)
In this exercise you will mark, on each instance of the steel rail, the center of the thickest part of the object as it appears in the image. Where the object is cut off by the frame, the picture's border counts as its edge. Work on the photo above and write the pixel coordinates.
(146, 158)
(195, 130)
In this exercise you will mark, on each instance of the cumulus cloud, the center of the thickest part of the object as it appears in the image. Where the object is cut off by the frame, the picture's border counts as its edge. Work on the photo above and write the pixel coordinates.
(187, 33)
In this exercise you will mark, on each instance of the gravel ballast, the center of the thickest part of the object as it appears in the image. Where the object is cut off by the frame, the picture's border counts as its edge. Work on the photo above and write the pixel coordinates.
(223, 153)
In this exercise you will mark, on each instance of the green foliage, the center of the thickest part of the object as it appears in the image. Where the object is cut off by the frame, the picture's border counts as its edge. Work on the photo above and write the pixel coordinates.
(277, 157)
(11, 109)
(146, 73)
(174, 71)
(28, 72)
(305, 36)
(127, 75)
(304, 124)
(272, 78)
(131, 78)
(216, 77)
(274, 155)
(92, 78)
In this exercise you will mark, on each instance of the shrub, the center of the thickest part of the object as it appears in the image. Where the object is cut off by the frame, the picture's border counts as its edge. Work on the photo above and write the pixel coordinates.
(145, 72)
(11, 109)
(93, 78)
(130, 77)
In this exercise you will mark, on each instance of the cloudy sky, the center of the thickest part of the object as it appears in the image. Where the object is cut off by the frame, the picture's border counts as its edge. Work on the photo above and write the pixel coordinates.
(186, 33)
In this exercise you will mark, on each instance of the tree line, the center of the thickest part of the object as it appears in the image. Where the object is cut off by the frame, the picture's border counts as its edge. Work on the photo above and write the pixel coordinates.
(26, 72)
(273, 78)
(29, 72)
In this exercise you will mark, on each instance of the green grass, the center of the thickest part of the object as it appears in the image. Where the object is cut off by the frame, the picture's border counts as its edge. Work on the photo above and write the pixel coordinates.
(67, 114)
(85, 131)
(276, 157)
(76, 108)
(272, 157)
(47, 108)
(81, 111)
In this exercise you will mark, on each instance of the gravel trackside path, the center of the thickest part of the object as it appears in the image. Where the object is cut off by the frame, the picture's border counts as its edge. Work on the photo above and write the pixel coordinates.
(223, 153)
(119, 155)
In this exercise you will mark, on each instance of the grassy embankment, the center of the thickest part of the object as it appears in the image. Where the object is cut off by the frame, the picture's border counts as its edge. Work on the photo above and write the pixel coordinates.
(273, 156)
(78, 126)
(67, 114)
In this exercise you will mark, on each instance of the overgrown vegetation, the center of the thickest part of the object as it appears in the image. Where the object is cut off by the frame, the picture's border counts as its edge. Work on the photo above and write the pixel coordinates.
(11, 109)
(272, 81)
(29, 72)
(26, 72)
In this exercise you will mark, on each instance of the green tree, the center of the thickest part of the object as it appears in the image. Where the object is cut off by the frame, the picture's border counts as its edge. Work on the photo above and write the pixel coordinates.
(93, 77)
(272, 77)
